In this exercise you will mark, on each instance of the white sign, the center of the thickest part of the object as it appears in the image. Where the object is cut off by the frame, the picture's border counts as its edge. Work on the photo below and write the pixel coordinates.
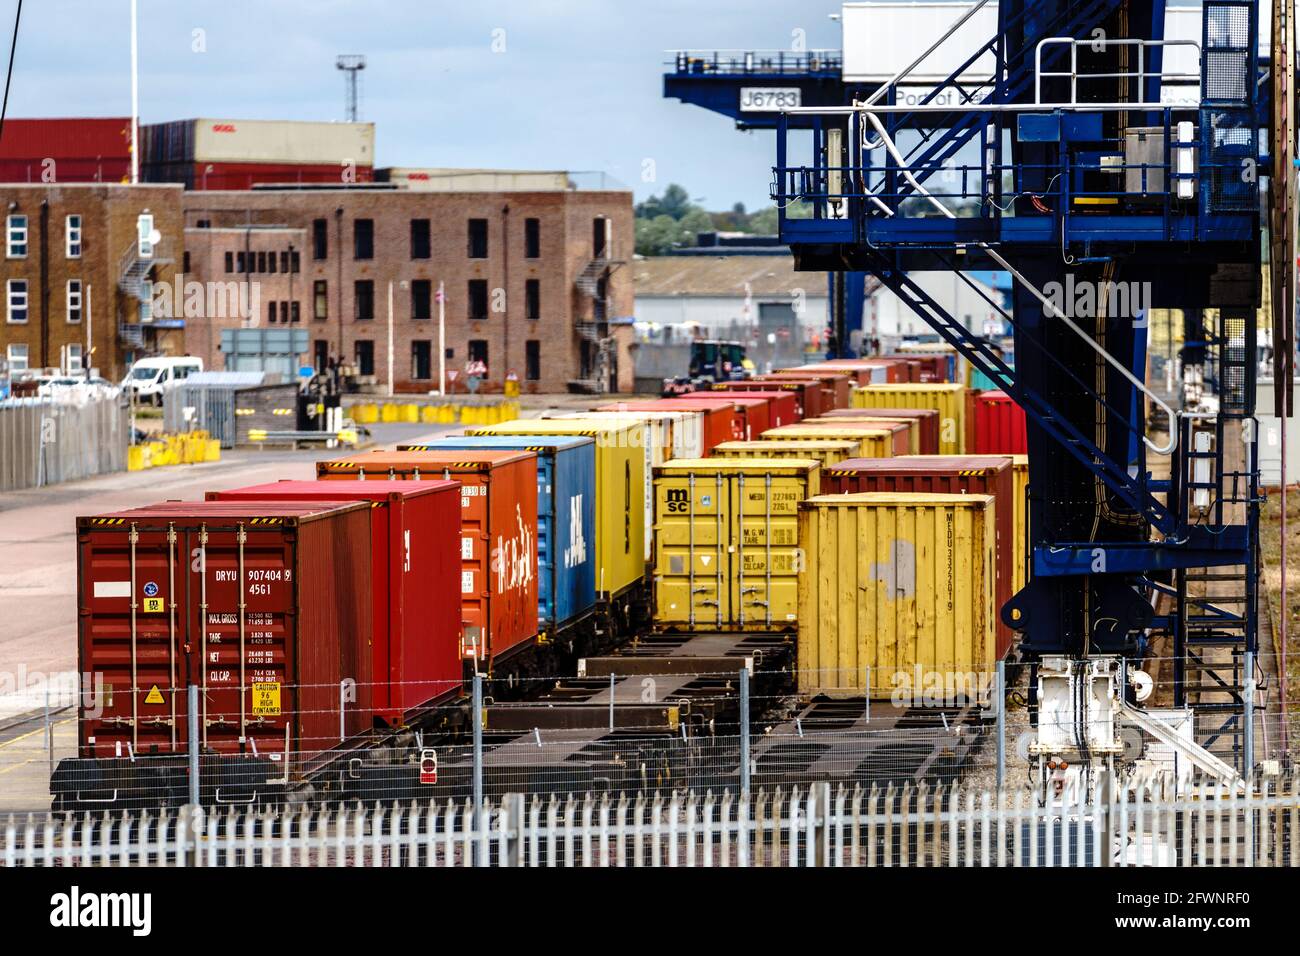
(47, 431)
(769, 99)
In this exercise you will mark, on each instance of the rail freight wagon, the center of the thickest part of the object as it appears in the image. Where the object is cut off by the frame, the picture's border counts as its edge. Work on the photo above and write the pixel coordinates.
(927, 423)
(415, 572)
(265, 607)
(947, 399)
(995, 425)
(727, 543)
(622, 494)
(872, 442)
(807, 392)
(498, 541)
(566, 523)
(905, 437)
(945, 474)
(828, 452)
(903, 584)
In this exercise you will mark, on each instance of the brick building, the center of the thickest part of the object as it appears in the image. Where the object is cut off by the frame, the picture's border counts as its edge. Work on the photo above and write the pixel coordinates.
(76, 280)
(532, 279)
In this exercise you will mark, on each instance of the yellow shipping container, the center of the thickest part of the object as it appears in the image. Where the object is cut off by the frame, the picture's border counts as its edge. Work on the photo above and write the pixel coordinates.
(901, 583)
(872, 442)
(727, 541)
(827, 452)
(622, 491)
(913, 432)
(1020, 525)
(947, 398)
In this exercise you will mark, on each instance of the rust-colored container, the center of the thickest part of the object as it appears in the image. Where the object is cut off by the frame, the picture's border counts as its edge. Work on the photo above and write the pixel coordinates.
(837, 387)
(415, 573)
(995, 425)
(944, 474)
(266, 606)
(750, 415)
(858, 374)
(498, 537)
(721, 421)
(926, 419)
(807, 392)
(783, 406)
(902, 433)
(896, 370)
(932, 368)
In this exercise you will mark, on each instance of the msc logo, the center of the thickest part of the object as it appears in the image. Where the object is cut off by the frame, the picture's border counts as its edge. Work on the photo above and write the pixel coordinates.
(576, 553)
(678, 500)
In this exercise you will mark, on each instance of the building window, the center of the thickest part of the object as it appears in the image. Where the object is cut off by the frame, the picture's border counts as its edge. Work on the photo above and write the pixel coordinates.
(478, 299)
(533, 298)
(284, 261)
(421, 247)
(72, 358)
(74, 300)
(421, 295)
(185, 261)
(363, 239)
(284, 311)
(230, 262)
(16, 298)
(16, 355)
(365, 353)
(270, 312)
(17, 237)
(421, 359)
(320, 300)
(72, 230)
(364, 292)
(241, 261)
(295, 261)
(295, 311)
(478, 239)
(532, 238)
(320, 243)
(322, 350)
(532, 360)
(261, 262)
(478, 351)
(270, 262)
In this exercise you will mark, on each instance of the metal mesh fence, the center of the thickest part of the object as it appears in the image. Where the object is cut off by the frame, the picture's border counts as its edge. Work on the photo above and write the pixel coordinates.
(45, 441)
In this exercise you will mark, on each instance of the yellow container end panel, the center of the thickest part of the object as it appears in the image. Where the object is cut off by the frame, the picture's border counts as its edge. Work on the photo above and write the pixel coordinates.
(691, 530)
(872, 442)
(765, 571)
(826, 453)
(947, 398)
(902, 584)
(913, 433)
(1020, 484)
(621, 492)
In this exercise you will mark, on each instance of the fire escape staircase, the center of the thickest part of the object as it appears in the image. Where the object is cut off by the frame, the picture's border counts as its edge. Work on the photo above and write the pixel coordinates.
(134, 280)
(595, 329)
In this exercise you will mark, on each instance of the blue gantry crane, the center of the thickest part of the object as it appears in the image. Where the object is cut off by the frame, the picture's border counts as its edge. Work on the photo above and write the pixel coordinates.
(1111, 164)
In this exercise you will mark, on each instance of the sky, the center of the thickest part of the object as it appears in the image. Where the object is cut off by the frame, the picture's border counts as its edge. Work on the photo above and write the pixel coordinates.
(541, 84)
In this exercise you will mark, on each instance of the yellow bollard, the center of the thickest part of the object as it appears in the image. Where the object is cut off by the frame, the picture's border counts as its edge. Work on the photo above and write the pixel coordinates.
(212, 450)
(428, 414)
(135, 458)
(367, 413)
(410, 413)
(388, 413)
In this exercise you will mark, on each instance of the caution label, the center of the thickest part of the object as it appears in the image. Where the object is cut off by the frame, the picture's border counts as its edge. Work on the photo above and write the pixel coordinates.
(266, 699)
(154, 696)
(154, 605)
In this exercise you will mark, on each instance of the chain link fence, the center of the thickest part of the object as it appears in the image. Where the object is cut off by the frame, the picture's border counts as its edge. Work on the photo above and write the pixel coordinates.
(45, 441)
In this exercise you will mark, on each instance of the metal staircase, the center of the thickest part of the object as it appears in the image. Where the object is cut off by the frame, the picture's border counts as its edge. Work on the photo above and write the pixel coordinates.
(597, 355)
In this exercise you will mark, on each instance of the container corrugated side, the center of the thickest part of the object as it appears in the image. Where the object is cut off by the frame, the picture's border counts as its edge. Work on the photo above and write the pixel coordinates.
(281, 141)
(995, 425)
(926, 419)
(687, 424)
(828, 452)
(905, 435)
(947, 398)
(808, 392)
(566, 517)
(1020, 482)
(837, 387)
(621, 493)
(872, 442)
(242, 599)
(901, 584)
(726, 542)
(415, 537)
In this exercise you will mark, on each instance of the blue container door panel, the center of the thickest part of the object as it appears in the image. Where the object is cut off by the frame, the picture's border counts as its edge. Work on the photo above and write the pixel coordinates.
(547, 526)
(575, 544)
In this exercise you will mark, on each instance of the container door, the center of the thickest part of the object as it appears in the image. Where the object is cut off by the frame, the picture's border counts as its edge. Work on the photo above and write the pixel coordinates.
(764, 570)
(691, 572)
(475, 577)
(548, 525)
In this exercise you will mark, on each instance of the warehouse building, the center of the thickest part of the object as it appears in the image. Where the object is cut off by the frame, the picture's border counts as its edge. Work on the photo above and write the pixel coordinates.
(78, 276)
(532, 280)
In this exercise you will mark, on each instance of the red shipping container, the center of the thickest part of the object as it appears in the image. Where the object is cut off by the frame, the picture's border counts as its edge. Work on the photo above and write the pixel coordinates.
(900, 430)
(995, 425)
(943, 474)
(71, 150)
(415, 538)
(721, 420)
(933, 368)
(837, 386)
(783, 407)
(858, 374)
(266, 606)
(229, 176)
(498, 537)
(897, 371)
(808, 392)
(750, 416)
(927, 422)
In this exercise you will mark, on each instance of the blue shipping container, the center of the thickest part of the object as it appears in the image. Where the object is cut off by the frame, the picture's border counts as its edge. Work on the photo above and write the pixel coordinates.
(566, 517)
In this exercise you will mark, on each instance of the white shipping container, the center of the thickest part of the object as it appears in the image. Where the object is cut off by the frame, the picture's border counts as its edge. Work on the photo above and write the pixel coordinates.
(474, 180)
(276, 141)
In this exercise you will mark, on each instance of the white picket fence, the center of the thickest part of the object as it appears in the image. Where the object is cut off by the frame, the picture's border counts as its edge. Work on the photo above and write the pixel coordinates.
(820, 826)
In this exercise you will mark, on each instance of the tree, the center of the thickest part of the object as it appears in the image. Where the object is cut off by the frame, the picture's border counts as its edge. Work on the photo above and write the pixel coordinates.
(676, 203)
(658, 236)
(695, 222)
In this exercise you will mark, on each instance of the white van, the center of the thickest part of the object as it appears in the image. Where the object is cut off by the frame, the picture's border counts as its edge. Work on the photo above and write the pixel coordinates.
(150, 377)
